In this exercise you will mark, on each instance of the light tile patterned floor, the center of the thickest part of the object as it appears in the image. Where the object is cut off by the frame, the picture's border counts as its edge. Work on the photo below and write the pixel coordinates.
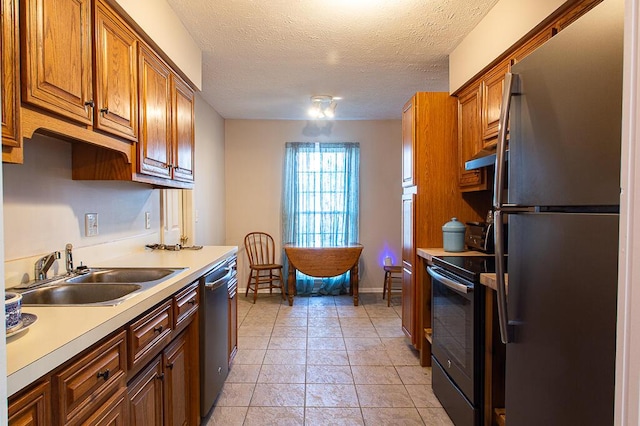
(324, 361)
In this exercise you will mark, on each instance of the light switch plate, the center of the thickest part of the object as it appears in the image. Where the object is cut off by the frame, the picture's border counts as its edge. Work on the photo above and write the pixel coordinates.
(147, 220)
(90, 224)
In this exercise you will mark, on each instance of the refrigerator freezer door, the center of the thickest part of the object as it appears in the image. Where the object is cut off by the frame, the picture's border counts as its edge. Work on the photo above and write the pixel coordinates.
(560, 367)
(565, 126)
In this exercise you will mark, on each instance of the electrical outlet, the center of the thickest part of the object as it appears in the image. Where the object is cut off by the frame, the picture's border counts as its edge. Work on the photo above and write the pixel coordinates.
(90, 224)
(147, 220)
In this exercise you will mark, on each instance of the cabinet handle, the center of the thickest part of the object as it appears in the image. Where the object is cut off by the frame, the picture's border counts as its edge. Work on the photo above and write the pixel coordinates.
(192, 302)
(90, 103)
(104, 110)
(160, 376)
(170, 366)
(104, 374)
(158, 329)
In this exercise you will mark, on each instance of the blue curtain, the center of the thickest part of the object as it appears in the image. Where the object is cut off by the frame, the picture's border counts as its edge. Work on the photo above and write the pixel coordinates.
(320, 204)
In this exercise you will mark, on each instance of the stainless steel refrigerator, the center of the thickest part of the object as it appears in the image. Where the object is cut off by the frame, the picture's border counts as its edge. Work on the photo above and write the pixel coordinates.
(563, 179)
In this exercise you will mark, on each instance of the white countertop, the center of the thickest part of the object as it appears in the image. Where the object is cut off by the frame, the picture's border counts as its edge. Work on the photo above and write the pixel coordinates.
(428, 253)
(62, 332)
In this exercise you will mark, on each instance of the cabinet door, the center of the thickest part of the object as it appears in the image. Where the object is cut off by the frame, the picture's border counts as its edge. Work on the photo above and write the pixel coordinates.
(154, 147)
(177, 383)
(9, 66)
(408, 143)
(116, 75)
(183, 133)
(408, 284)
(469, 140)
(145, 394)
(492, 88)
(57, 68)
(32, 408)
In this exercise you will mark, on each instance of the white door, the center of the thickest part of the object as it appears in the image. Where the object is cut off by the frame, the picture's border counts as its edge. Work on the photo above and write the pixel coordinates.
(171, 219)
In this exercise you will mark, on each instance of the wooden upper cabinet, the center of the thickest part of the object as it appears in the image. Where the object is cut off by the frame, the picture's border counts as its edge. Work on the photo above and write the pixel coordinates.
(492, 89)
(469, 138)
(9, 69)
(408, 143)
(154, 147)
(532, 44)
(57, 66)
(182, 130)
(116, 97)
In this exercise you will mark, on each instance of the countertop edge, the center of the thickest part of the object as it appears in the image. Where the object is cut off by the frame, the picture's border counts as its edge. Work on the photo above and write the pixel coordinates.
(28, 358)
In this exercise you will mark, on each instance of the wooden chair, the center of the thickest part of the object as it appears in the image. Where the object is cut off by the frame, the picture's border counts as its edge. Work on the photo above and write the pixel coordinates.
(389, 272)
(263, 269)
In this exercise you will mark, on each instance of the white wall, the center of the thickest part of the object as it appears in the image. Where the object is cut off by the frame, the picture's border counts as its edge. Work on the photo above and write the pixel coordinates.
(506, 23)
(209, 198)
(44, 209)
(254, 160)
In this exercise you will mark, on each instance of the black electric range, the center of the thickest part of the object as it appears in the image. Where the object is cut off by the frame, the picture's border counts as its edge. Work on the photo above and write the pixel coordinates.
(468, 267)
(457, 350)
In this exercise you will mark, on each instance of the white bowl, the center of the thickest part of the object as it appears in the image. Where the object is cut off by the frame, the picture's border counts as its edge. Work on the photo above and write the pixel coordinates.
(12, 310)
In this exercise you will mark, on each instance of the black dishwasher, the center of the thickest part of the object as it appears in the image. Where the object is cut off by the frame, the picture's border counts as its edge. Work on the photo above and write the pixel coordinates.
(214, 329)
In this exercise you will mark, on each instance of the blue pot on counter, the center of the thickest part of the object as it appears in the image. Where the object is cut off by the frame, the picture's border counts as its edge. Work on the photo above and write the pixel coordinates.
(453, 235)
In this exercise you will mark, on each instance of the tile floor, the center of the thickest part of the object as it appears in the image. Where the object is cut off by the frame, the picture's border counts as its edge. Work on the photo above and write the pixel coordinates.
(324, 361)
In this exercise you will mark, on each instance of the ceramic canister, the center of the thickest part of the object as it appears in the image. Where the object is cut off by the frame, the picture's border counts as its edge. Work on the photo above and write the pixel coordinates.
(12, 309)
(453, 235)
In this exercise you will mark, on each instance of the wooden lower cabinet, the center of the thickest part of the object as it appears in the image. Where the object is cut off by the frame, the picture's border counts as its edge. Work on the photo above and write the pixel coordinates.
(145, 394)
(163, 393)
(32, 408)
(108, 384)
(177, 381)
(92, 379)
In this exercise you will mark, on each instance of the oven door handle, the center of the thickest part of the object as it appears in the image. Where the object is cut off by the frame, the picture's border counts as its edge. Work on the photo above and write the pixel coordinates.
(460, 288)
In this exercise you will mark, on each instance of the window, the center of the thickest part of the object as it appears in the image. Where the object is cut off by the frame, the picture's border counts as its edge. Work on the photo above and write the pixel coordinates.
(321, 201)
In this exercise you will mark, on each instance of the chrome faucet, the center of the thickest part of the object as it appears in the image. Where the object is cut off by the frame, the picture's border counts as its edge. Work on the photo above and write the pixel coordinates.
(43, 265)
(69, 257)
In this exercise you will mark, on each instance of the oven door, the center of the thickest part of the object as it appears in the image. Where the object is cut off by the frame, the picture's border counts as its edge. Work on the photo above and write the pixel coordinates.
(455, 335)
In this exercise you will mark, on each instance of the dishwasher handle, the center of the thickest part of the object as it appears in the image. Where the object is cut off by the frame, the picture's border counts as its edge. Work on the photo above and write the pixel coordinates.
(220, 281)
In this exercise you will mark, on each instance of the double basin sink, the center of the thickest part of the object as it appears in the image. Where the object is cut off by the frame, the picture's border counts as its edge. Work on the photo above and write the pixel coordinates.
(98, 286)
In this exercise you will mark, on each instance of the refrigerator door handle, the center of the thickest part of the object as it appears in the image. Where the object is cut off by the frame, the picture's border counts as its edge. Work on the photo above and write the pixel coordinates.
(510, 89)
(511, 83)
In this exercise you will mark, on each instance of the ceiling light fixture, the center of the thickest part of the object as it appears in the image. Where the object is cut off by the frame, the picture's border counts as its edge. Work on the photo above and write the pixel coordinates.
(323, 107)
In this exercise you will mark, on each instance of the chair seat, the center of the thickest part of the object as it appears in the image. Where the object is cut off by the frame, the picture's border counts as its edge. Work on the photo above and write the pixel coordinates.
(266, 267)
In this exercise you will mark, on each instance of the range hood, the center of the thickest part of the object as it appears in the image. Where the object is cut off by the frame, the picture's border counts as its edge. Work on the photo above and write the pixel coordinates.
(484, 158)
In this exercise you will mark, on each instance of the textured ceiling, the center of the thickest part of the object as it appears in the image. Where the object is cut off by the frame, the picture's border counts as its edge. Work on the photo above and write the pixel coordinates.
(264, 59)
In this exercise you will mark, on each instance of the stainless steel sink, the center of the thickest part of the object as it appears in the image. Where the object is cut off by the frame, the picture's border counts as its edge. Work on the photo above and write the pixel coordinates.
(123, 275)
(98, 286)
(79, 294)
